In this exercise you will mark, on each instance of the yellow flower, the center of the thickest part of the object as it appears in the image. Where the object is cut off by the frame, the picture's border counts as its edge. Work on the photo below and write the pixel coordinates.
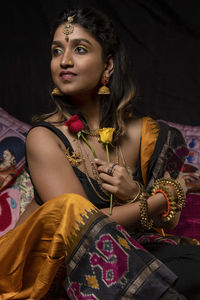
(106, 134)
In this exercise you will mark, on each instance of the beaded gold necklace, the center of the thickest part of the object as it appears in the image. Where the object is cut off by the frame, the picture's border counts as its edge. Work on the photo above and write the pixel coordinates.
(93, 132)
(95, 170)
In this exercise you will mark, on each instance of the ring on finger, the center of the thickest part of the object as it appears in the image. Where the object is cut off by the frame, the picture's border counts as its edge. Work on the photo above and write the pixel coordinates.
(111, 169)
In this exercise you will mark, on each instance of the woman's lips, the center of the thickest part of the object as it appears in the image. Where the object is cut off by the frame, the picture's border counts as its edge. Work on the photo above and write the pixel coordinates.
(67, 75)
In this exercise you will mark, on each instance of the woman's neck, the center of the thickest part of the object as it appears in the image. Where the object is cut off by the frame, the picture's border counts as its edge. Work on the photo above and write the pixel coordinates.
(90, 109)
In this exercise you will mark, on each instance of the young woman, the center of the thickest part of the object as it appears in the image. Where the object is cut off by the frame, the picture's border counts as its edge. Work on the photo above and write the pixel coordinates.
(94, 164)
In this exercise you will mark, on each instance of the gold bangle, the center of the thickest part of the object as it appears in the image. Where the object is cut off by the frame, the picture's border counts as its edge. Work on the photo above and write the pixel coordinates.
(140, 190)
(131, 200)
(178, 190)
(171, 203)
(146, 223)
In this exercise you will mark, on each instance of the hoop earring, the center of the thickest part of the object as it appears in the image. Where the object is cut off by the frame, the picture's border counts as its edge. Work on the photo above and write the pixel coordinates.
(104, 90)
(56, 92)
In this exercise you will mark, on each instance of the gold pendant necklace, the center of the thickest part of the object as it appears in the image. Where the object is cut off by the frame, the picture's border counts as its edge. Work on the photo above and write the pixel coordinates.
(129, 171)
(94, 173)
(74, 159)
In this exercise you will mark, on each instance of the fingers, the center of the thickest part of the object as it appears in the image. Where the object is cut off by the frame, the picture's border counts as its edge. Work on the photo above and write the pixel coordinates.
(108, 178)
(105, 167)
(102, 165)
(100, 162)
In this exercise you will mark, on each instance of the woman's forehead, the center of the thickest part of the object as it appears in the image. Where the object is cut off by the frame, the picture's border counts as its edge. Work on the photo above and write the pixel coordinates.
(78, 33)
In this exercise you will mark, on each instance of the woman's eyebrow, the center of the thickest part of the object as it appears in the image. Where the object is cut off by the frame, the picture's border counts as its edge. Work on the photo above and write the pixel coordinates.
(74, 41)
(78, 41)
(57, 43)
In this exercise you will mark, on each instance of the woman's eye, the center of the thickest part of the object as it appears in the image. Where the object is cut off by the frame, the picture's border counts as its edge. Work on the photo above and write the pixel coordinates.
(81, 50)
(57, 51)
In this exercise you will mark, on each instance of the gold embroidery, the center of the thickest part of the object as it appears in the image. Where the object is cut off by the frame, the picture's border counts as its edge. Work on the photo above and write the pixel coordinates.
(92, 281)
(155, 126)
(78, 225)
(74, 159)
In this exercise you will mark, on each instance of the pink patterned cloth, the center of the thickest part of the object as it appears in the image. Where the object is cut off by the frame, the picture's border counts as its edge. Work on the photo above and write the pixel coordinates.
(9, 209)
(189, 224)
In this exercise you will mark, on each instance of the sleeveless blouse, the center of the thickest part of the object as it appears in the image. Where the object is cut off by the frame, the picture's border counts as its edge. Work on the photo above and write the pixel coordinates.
(158, 152)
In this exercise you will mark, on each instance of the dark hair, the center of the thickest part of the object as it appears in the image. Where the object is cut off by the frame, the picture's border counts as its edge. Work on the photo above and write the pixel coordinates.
(115, 107)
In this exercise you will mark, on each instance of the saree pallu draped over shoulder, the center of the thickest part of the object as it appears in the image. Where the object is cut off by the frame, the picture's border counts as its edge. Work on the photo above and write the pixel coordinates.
(69, 243)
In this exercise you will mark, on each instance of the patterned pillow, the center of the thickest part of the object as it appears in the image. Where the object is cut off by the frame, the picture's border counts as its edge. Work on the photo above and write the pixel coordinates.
(16, 190)
(191, 168)
(189, 224)
(12, 147)
(14, 200)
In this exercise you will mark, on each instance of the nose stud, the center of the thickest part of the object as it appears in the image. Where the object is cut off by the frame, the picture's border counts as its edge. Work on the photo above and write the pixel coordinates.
(69, 62)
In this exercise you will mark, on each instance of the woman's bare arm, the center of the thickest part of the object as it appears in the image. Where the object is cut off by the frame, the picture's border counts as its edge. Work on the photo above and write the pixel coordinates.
(128, 215)
(49, 168)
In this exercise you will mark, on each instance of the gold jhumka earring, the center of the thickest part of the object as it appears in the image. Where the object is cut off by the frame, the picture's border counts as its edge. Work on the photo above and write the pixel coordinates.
(56, 92)
(69, 27)
(104, 90)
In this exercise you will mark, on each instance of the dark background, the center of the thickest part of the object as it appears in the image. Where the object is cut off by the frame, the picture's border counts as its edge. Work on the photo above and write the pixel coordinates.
(162, 39)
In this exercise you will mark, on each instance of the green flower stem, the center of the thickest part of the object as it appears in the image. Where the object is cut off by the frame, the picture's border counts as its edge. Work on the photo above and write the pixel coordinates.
(111, 203)
(92, 149)
(111, 195)
(107, 152)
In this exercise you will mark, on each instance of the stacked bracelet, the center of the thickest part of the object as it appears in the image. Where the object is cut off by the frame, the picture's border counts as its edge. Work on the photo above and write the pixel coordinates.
(132, 199)
(174, 204)
(171, 204)
(144, 218)
(178, 190)
(142, 197)
(140, 190)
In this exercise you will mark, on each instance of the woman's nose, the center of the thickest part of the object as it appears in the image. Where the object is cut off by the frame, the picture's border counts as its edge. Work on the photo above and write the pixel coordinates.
(66, 60)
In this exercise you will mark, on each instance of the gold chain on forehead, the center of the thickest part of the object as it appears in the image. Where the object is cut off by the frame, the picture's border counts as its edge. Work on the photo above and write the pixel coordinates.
(69, 27)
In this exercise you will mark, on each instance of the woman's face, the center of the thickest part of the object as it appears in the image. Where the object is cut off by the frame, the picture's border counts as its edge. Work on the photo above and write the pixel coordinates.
(7, 155)
(77, 64)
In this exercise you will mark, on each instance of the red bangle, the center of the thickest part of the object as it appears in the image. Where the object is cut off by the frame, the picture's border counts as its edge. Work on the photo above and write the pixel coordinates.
(168, 202)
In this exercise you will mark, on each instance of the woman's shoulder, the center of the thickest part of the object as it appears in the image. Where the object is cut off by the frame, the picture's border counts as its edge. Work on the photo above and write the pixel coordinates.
(46, 135)
(134, 127)
(141, 125)
(47, 128)
(39, 138)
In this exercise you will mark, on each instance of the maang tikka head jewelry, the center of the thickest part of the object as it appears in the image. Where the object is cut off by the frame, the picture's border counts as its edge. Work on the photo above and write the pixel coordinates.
(69, 27)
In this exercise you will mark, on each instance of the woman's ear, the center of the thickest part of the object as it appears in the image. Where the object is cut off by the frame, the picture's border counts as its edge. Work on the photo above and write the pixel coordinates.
(109, 66)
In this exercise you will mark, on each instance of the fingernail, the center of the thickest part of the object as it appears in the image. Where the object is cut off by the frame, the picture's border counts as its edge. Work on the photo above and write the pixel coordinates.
(96, 159)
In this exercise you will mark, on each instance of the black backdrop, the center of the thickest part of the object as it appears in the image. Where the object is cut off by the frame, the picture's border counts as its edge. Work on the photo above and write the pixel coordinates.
(162, 39)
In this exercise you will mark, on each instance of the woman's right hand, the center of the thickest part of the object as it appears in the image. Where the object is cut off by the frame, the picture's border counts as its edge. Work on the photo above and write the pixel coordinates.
(119, 182)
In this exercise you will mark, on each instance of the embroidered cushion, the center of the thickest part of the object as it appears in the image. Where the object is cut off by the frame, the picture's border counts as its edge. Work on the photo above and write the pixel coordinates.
(191, 168)
(189, 224)
(16, 190)
(12, 147)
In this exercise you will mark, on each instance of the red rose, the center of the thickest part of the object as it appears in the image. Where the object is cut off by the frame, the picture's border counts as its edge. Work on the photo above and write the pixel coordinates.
(74, 124)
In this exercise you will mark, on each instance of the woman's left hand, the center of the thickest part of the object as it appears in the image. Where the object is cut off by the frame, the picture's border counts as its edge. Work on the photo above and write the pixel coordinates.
(116, 180)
